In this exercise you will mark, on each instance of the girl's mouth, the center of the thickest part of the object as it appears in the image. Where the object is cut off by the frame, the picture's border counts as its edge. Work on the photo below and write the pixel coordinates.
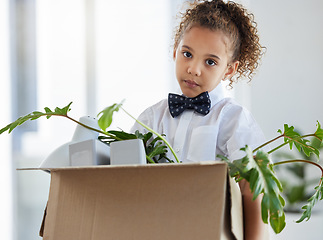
(191, 83)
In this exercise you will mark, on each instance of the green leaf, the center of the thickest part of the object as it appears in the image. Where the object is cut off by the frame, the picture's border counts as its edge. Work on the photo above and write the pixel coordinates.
(105, 119)
(294, 138)
(123, 135)
(2, 130)
(62, 111)
(158, 149)
(318, 195)
(48, 111)
(147, 136)
(35, 115)
(157, 134)
(258, 172)
(155, 148)
(290, 134)
(267, 183)
(239, 168)
(319, 131)
(67, 108)
(277, 219)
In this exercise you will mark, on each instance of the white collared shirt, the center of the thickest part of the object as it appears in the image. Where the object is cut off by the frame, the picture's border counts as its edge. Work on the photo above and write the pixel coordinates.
(195, 137)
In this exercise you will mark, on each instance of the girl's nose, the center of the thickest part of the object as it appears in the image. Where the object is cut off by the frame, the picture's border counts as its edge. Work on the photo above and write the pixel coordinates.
(194, 69)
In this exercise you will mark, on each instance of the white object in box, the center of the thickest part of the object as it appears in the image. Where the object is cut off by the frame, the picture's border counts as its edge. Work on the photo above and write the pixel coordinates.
(89, 152)
(127, 152)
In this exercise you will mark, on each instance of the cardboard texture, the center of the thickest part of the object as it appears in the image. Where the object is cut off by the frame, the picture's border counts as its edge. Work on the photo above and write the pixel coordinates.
(144, 202)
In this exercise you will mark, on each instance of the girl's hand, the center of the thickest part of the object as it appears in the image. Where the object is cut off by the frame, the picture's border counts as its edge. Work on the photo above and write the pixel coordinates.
(254, 227)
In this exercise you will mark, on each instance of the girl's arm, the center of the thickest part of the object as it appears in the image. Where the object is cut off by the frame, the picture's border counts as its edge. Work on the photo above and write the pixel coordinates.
(254, 227)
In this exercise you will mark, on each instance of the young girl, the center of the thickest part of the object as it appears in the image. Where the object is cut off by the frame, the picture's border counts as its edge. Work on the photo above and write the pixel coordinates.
(215, 42)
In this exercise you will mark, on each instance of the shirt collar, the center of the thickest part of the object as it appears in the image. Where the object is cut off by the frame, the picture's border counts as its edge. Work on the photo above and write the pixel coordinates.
(217, 94)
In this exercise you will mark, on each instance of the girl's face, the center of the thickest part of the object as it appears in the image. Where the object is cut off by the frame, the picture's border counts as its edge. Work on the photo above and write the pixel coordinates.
(202, 60)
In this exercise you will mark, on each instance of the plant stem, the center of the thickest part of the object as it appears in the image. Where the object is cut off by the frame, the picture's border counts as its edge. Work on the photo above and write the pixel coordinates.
(287, 142)
(276, 148)
(283, 144)
(303, 161)
(266, 143)
(149, 159)
(91, 128)
(157, 134)
(114, 137)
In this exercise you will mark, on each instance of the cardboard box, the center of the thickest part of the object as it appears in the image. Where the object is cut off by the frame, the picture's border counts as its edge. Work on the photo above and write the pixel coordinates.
(143, 202)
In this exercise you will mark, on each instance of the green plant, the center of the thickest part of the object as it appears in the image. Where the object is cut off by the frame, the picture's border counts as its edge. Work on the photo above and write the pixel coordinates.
(105, 121)
(298, 183)
(255, 167)
(155, 147)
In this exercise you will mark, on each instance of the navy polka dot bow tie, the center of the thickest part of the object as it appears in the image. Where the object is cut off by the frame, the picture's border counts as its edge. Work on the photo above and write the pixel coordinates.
(177, 103)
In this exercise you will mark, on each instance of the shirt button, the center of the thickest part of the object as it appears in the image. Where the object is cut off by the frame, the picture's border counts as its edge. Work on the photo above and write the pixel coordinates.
(177, 150)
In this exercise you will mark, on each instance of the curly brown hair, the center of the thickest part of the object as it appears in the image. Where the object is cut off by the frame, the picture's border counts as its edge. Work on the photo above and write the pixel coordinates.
(236, 22)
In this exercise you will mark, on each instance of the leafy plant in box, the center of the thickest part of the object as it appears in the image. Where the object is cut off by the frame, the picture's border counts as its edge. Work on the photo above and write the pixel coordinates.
(298, 183)
(256, 167)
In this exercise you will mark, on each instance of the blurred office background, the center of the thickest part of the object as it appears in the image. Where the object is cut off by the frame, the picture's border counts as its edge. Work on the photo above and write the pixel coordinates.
(98, 52)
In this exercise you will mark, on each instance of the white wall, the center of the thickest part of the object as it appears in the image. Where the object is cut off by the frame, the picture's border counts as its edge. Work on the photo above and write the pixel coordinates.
(133, 55)
(6, 204)
(287, 88)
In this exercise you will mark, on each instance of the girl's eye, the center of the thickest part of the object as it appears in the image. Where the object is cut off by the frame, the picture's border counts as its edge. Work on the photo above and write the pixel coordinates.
(210, 62)
(187, 54)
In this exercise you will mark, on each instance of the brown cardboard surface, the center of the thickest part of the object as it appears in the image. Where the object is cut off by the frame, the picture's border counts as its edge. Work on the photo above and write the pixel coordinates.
(162, 201)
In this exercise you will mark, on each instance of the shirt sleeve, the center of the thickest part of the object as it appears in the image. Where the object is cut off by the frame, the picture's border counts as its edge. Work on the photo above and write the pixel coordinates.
(238, 129)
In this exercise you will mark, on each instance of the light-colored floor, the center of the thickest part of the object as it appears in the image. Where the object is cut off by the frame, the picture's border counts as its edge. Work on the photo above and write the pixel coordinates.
(311, 230)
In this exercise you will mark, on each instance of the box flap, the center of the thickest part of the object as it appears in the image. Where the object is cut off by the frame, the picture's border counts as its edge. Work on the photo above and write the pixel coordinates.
(236, 212)
(41, 231)
(162, 201)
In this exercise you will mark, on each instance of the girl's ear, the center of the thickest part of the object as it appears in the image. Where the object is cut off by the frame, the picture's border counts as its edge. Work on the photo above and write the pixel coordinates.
(231, 70)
